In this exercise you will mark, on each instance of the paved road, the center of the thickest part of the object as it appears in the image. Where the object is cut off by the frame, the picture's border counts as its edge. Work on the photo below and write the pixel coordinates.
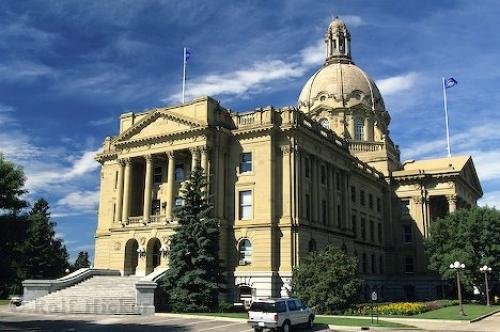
(15, 321)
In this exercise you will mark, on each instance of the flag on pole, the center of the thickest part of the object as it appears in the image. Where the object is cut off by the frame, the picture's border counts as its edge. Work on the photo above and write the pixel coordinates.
(450, 82)
(187, 54)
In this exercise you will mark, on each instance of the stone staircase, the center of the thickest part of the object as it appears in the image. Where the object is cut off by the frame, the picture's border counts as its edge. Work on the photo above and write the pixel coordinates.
(96, 295)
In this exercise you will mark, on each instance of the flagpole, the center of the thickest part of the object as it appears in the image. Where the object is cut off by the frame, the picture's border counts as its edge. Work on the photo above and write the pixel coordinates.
(445, 99)
(184, 76)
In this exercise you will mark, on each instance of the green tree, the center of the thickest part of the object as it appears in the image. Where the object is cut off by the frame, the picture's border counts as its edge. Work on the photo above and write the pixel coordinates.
(470, 236)
(45, 256)
(11, 186)
(193, 278)
(13, 226)
(81, 261)
(327, 280)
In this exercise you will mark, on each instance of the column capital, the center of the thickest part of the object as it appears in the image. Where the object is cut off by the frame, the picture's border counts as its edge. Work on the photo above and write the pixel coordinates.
(170, 155)
(418, 199)
(120, 162)
(194, 149)
(452, 198)
(286, 149)
(126, 160)
(148, 157)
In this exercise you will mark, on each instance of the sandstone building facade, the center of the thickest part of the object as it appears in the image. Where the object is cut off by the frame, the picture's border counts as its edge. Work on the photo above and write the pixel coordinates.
(283, 182)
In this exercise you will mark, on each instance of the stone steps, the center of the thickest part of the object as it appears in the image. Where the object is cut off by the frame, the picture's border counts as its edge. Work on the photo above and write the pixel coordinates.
(97, 295)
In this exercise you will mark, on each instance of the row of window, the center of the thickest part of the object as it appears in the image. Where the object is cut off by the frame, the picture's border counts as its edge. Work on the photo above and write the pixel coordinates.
(375, 267)
(359, 125)
(371, 229)
(180, 174)
(322, 174)
(362, 199)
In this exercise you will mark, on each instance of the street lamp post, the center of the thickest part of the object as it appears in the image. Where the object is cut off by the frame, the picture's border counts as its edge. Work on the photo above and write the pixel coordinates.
(457, 266)
(486, 269)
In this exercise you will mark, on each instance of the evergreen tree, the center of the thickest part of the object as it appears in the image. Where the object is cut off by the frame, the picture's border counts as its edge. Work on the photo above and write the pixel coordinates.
(45, 255)
(470, 236)
(327, 280)
(81, 261)
(13, 226)
(192, 280)
(11, 186)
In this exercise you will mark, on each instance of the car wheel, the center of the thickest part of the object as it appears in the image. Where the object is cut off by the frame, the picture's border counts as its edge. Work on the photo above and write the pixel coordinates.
(257, 329)
(286, 327)
(310, 323)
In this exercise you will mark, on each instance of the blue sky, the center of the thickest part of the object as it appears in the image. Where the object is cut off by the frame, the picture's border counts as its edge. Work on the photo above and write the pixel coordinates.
(69, 68)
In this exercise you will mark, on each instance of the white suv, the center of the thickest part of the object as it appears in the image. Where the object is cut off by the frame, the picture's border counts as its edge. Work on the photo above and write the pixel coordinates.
(279, 313)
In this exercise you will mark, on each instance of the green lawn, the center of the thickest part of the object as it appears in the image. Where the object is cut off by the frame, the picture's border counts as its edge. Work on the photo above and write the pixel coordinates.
(471, 311)
(357, 322)
(4, 302)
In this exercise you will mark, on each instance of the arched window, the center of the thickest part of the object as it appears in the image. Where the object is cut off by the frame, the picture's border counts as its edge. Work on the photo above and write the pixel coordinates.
(324, 123)
(359, 129)
(312, 245)
(245, 252)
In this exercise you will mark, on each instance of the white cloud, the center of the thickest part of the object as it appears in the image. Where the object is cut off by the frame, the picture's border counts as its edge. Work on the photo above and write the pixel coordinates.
(396, 84)
(244, 81)
(314, 54)
(352, 20)
(103, 121)
(25, 71)
(491, 199)
(77, 203)
(5, 117)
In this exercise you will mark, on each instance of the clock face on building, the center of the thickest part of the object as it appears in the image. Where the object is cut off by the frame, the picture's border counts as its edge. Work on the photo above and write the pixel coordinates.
(325, 123)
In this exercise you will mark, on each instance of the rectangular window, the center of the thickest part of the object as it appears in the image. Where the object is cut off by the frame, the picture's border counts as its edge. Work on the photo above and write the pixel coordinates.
(157, 174)
(379, 232)
(370, 201)
(323, 212)
(155, 207)
(409, 268)
(307, 167)
(291, 305)
(116, 179)
(363, 229)
(381, 264)
(246, 162)
(323, 174)
(179, 172)
(407, 234)
(353, 194)
(362, 197)
(245, 212)
(339, 216)
(308, 207)
(179, 201)
(363, 263)
(379, 205)
(374, 266)
(372, 231)
(114, 212)
(354, 226)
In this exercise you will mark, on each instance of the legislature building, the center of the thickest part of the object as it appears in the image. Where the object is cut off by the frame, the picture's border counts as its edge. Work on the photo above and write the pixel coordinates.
(283, 182)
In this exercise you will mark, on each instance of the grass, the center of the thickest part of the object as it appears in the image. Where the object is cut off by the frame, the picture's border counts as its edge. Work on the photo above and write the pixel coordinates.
(358, 322)
(471, 310)
(4, 302)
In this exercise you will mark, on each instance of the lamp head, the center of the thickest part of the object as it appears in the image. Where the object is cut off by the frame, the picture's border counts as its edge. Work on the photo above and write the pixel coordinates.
(456, 265)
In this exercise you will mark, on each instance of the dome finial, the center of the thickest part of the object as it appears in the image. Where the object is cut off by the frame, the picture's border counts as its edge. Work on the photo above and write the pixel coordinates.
(338, 42)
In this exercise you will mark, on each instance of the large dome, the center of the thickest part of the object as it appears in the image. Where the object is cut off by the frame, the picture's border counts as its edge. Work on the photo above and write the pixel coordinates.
(340, 85)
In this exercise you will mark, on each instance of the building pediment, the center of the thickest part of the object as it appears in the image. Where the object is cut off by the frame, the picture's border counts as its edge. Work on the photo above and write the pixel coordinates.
(158, 123)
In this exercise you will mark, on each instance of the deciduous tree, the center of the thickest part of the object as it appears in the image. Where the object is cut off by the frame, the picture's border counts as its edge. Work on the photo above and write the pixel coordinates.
(327, 280)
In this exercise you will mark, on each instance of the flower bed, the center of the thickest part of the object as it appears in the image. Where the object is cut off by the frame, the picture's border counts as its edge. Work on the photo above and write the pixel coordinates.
(398, 308)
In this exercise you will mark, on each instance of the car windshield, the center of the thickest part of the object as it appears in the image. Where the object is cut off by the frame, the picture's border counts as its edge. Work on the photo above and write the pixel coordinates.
(263, 307)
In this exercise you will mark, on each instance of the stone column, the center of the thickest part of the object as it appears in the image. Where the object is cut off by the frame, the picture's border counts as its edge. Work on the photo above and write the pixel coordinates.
(148, 187)
(170, 184)
(351, 126)
(119, 192)
(195, 158)
(204, 160)
(452, 202)
(126, 190)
